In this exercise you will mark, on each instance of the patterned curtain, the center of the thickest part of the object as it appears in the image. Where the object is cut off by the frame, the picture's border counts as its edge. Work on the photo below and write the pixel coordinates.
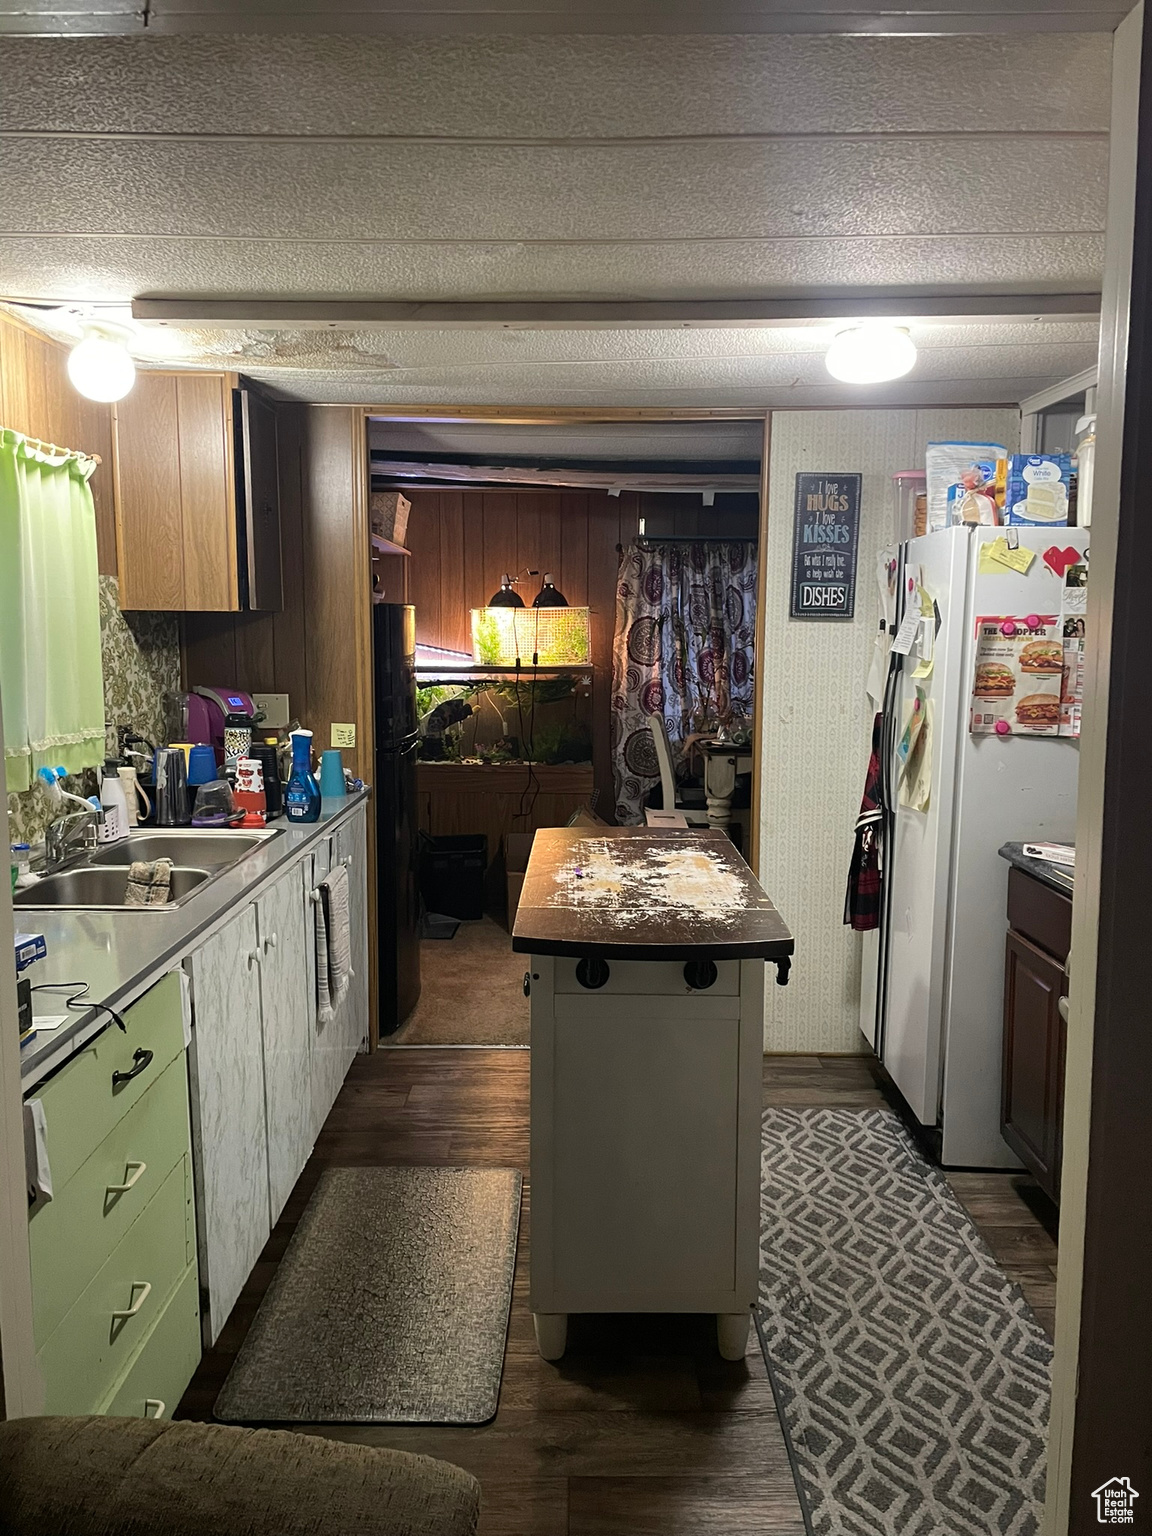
(685, 621)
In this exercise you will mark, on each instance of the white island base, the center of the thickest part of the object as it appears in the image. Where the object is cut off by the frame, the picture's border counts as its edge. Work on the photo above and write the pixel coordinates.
(646, 1103)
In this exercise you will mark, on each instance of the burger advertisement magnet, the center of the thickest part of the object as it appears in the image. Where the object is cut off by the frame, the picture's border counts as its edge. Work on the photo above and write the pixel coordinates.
(1017, 679)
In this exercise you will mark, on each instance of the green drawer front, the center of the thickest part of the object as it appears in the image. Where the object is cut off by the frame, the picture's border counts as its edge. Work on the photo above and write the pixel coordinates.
(90, 1349)
(80, 1104)
(74, 1233)
(154, 1382)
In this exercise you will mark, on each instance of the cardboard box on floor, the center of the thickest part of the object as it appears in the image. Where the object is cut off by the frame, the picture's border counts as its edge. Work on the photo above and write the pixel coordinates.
(518, 850)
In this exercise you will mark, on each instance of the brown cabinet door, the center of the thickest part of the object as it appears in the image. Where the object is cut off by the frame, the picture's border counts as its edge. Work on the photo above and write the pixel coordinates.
(1032, 1106)
(176, 494)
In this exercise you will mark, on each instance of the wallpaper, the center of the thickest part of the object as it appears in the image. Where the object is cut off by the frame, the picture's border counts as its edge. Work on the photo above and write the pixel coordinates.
(816, 717)
(141, 656)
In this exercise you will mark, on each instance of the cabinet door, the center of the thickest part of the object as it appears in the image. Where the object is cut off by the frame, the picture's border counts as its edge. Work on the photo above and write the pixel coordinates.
(350, 848)
(1032, 1106)
(228, 1102)
(175, 493)
(285, 1005)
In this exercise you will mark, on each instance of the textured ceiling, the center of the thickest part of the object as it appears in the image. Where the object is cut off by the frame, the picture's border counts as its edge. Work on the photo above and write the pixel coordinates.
(570, 167)
(754, 366)
(446, 17)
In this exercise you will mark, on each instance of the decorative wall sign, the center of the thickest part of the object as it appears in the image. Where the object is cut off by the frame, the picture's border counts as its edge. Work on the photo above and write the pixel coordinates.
(825, 535)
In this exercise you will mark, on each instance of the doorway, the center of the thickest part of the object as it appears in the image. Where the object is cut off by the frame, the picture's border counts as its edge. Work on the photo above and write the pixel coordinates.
(498, 515)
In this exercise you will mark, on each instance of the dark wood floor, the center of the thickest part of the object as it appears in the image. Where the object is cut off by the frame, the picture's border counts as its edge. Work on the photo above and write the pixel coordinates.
(641, 1428)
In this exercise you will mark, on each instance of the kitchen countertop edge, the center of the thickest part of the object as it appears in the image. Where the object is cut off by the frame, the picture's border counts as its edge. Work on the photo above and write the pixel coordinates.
(1014, 854)
(157, 942)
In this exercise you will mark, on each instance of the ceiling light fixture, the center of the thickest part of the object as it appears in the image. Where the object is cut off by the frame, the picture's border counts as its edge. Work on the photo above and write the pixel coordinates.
(99, 366)
(871, 353)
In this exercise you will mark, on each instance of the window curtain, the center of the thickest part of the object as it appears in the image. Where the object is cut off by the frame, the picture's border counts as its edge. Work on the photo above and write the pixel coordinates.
(51, 679)
(685, 622)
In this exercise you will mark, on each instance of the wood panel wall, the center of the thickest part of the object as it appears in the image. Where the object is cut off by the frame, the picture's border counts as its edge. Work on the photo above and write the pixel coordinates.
(318, 648)
(463, 541)
(36, 398)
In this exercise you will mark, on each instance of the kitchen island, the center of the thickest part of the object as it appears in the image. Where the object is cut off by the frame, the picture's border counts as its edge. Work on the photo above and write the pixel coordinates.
(648, 952)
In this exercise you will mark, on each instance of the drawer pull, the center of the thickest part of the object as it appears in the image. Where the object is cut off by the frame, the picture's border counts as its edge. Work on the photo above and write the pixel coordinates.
(156, 1403)
(141, 1061)
(145, 1289)
(122, 1189)
(270, 942)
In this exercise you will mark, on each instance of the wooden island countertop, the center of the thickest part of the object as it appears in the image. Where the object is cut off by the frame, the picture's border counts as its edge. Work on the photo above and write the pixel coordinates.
(636, 893)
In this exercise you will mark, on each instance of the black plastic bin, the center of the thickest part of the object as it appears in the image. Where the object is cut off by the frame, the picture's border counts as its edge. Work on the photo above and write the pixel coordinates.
(452, 874)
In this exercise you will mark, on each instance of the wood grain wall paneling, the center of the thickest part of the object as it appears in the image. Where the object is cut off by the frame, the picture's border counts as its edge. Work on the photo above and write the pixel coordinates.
(149, 519)
(207, 483)
(286, 628)
(37, 398)
(571, 533)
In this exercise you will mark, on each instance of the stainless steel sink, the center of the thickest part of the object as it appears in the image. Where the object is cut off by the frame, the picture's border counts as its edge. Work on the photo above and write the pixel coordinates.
(202, 849)
(89, 887)
(99, 880)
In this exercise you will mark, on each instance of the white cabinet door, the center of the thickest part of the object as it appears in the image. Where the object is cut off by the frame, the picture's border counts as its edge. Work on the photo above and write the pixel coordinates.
(350, 848)
(231, 1150)
(286, 1007)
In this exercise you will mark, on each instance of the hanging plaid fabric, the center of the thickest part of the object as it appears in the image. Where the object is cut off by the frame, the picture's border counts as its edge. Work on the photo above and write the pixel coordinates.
(865, 875)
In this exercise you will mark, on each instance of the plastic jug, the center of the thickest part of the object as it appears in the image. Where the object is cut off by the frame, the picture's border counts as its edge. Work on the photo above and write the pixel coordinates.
(302, 796)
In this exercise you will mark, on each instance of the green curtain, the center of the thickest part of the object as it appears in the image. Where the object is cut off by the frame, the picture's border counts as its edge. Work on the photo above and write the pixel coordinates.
(51, 678)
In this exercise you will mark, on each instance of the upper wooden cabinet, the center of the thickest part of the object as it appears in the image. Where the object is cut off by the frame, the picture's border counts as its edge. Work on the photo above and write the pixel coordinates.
(193, 533)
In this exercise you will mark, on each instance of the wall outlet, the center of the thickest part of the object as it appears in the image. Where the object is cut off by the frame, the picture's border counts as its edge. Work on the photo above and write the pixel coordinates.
(343, 735)
(274, 707)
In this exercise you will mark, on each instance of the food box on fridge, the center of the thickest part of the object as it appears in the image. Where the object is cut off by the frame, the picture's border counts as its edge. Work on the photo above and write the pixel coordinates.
(970, 465)
(1037, 489)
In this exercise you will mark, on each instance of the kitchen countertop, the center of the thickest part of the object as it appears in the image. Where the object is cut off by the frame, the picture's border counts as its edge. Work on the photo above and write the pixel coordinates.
(120, 954)
(1037, 868)
(641, 894)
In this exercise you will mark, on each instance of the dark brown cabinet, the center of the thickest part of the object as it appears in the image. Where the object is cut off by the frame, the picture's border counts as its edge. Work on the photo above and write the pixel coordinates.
(1032, 1102)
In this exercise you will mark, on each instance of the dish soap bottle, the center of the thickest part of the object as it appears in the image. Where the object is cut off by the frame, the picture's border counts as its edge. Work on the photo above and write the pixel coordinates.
(115, 804)
(302, 795)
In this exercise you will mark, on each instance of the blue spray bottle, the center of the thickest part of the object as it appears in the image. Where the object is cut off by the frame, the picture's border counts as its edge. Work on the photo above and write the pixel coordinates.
(302, 796)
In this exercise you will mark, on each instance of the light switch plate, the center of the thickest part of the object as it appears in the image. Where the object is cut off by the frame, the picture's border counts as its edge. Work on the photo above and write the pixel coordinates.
(343, 735)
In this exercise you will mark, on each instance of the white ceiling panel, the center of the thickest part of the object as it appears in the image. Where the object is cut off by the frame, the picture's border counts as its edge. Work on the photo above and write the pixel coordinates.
(114, 268)
(869, 186)
(447, 17)
(554, 88)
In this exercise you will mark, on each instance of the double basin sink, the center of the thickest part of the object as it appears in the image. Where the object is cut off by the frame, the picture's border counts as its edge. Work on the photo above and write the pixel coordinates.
(98, 881)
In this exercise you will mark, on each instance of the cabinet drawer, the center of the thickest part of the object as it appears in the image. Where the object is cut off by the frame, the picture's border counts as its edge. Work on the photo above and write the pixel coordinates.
(155, 1381)
(81, 1104)
(1041, 914)
(75, 1232)
(92, 1347)
(631, 978)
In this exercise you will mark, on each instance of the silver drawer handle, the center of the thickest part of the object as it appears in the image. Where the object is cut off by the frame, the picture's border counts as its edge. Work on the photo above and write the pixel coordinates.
(270, 942)
(145, 1289)
(155, 1402)
(254, 958)
(122, 1189)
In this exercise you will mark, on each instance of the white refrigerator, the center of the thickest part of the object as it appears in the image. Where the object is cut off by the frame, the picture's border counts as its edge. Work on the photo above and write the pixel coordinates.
(932, 993)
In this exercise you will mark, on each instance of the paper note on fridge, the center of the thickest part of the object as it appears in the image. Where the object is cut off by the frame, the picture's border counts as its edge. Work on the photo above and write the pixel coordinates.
(906, 634)
(996, 557)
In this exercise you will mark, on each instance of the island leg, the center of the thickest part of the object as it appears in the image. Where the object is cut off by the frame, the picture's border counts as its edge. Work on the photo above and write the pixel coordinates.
(732, 1334)
(552, 1333)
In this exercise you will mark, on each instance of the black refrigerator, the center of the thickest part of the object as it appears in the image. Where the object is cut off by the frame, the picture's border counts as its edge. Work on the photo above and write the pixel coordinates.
(397, 842)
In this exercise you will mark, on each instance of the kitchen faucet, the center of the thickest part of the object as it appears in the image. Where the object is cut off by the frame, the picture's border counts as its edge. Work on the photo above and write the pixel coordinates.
(70, 833)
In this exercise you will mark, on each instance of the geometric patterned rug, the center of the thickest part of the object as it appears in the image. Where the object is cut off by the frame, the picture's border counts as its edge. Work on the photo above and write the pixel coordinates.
(910, 1375)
